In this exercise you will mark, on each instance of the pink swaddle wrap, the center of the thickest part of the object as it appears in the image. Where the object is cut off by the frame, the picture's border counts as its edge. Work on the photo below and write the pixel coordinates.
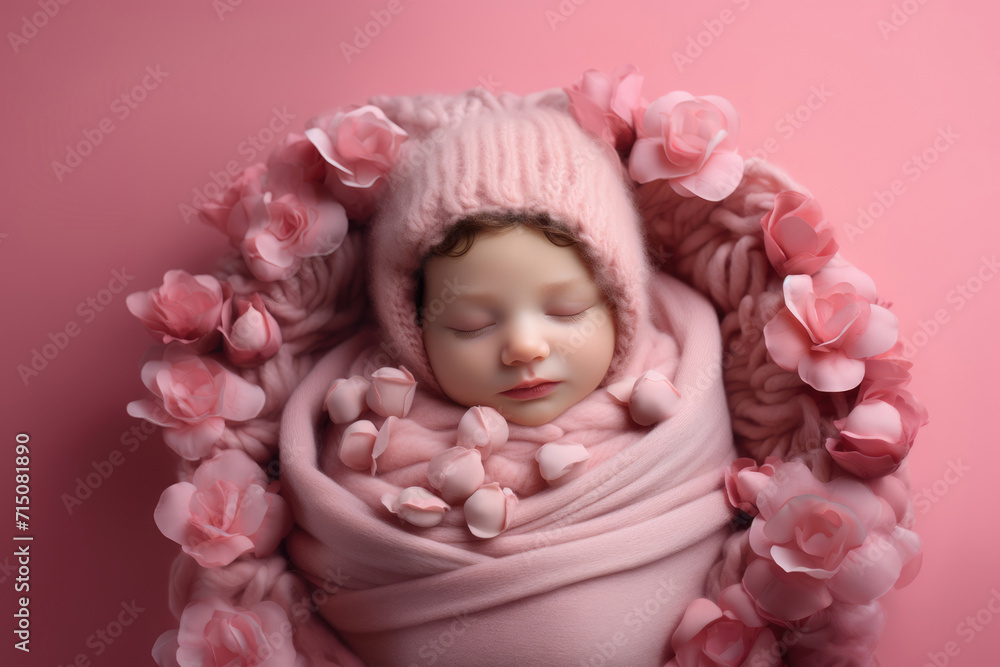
(612, 556)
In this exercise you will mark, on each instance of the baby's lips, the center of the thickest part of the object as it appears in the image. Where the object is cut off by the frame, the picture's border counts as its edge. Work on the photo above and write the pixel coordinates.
(391, 391)
(489, 510)
(417, 506)
(482, 428)
(345, 401)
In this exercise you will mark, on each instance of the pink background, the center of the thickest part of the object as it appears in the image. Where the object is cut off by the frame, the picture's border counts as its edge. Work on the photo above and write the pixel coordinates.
(888, 80)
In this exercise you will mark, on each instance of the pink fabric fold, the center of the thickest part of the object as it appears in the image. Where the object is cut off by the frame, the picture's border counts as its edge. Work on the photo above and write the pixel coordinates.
(632, 538)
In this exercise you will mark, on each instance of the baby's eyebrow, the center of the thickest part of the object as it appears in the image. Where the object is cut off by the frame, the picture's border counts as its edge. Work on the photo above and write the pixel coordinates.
(546, 289)
(562, 285)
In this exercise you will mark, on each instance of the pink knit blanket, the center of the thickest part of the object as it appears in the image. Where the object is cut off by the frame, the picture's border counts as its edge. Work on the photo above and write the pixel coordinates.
(630, 540)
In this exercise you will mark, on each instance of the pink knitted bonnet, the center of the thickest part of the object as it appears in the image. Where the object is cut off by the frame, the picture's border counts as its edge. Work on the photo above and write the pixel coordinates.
(528, 158)
(286, 556)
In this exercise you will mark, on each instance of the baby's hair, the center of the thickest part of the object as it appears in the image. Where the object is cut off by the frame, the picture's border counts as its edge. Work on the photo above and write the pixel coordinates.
(464, 233)
(462, 236)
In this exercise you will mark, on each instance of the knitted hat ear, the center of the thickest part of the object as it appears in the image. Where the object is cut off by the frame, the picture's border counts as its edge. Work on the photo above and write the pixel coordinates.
(519, 159)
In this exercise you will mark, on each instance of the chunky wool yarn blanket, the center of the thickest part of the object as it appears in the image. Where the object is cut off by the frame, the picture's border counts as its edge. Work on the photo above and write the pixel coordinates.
(735, 495)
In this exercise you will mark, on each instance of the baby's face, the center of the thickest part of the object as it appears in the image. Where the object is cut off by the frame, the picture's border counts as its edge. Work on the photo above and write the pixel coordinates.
(517, 324)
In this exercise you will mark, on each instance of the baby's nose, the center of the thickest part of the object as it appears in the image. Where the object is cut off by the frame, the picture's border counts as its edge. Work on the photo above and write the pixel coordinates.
(525, 343)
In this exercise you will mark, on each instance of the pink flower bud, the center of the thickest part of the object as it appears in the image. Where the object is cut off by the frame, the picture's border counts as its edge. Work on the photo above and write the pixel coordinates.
(254, 337)
(391, 391)
(482, 428)
(489, 510)
(357, 447)
(560, 462)
(456, 473)
(745, 480)
(797, 236)
(346, 400)
(654, 398)
(416, 505)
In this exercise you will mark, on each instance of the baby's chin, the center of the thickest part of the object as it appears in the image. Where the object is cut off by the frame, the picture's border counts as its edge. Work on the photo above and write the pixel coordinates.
(536, 412)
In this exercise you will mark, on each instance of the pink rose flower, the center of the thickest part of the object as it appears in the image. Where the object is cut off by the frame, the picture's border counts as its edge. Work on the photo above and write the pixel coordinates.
(877, 434)
(345, 401)
(416, 506)
(195, 397)
(489, 511)
(818, 542)
(219, 211)
(224, 512)
(606, 104)
(730, 634)
(826, 337)
(294, 162)
(482, 428)
(797, 237)
(391, 391)
(253, 336)
(745, 480)
(456, 472)
(691, 142)
(213, 633)
(839, 270)
(361, 144)
(184, 308)
(280, 231)
(559, 463)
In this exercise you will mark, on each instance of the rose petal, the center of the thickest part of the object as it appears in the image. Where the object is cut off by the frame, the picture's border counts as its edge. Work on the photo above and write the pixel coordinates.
(831, 371)
(346, 400)
(488, 511)
(561, 462)
(880, 335)
(456, 473)
(357, 445)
